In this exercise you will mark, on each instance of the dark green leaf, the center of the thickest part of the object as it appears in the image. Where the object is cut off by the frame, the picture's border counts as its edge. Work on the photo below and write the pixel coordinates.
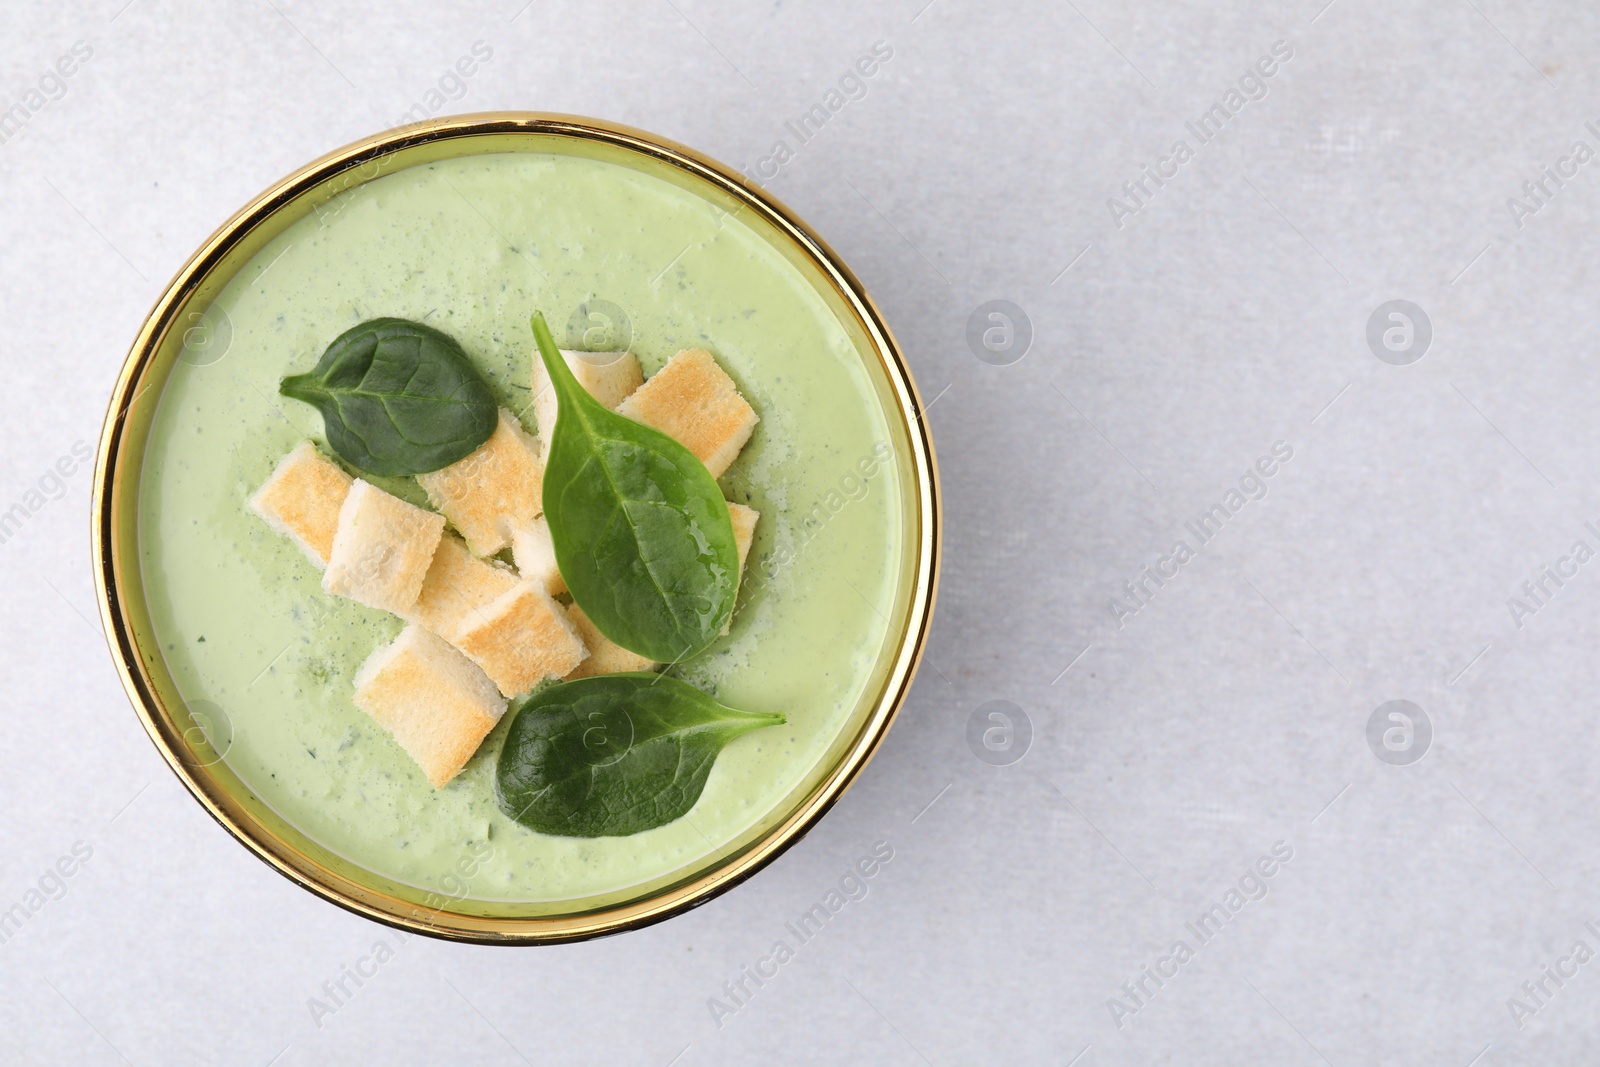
(641, 531)
(613, 755)
(398, 398)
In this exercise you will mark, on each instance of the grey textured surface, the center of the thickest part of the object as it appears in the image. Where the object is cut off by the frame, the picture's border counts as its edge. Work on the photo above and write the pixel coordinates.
(1169, 753)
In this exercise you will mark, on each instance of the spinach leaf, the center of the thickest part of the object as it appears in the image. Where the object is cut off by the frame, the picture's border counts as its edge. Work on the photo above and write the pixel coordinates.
(614, 754)
(640, 529)
(398, 398)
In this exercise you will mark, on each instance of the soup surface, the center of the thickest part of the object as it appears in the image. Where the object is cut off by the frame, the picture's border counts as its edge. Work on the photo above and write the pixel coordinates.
(613, 256)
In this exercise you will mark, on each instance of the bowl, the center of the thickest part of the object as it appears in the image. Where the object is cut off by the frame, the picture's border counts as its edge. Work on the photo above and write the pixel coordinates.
(195, 735)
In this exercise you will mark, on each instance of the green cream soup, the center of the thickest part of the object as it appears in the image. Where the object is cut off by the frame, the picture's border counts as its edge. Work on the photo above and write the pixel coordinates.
(473, 246)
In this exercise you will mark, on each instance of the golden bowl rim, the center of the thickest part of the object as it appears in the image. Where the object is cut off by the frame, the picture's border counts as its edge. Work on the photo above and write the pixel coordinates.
(442, 922)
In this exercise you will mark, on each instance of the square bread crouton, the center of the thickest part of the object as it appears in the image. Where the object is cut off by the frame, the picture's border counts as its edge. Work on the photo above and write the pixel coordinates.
(744, 531)
(693, 401)
(302, 499)
(605, 655)
(496, 488)
(609, 377)
(535, 556)
(382, 549)
(457, 587)
(520, 639)
(435, 703)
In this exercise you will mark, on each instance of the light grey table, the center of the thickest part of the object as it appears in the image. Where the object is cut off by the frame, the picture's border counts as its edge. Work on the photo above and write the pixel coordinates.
(1176, 334)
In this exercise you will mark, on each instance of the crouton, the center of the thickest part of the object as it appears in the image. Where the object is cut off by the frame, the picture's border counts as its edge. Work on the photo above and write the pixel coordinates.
(434, 702)
(507, 626)
(609, 377)
(535, 556)
(520, 639)
(605, 655)
(302, 499)
(493, 490)
(744, 530)
(693, 401)
(457, 586)
(382, 549)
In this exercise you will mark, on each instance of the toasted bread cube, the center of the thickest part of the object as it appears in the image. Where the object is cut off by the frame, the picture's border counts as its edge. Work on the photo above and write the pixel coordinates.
(609, 377)
(457, 587)
(605, 655)
(302, 499)
(432, 699)
(693, 401)
(493, 490)
(480, 607)
(744, 531)
(520, 639)
(382, 549)
(535, 556)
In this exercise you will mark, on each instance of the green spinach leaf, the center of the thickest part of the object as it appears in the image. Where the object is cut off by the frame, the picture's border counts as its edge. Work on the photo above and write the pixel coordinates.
(640, 529)
(398, 398)
(614, 754)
